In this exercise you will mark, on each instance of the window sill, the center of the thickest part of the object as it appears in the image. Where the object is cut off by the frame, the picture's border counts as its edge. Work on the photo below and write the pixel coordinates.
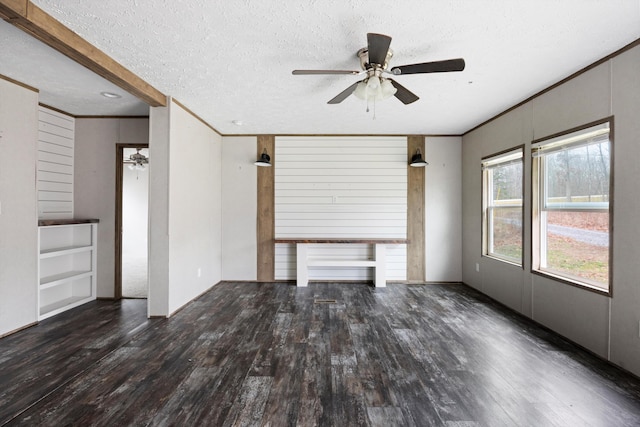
(575, 283)
(504, 260)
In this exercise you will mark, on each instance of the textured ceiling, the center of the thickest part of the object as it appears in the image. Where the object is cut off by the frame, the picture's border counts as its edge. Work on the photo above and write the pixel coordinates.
(232, 60)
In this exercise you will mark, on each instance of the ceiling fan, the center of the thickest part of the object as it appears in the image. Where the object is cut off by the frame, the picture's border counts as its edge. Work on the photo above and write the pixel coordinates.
(137, 161)
(374, 61)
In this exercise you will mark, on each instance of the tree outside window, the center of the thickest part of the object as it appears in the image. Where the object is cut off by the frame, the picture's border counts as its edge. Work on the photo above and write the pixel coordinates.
(502, 206)
(572, 206)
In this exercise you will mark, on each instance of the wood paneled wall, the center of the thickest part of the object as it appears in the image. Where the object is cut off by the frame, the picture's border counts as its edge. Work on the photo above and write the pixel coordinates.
(266, 212)
(415, 213)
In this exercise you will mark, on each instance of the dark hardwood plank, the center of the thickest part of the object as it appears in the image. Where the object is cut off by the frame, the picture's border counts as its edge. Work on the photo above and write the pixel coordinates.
(270, 354)
(247, 410)
(283, 403)
(36, 362)
(386, 416)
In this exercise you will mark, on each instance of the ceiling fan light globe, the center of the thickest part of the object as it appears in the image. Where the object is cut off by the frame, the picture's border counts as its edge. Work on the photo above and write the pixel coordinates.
(361, 91)
(387, 89)
(373, 83)
(379, 90)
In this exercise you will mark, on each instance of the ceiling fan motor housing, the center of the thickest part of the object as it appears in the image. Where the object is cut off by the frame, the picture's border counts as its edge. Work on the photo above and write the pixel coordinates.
(363, 55)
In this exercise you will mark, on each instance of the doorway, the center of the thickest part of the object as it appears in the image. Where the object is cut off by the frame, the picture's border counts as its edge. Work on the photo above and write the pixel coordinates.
(132, 207)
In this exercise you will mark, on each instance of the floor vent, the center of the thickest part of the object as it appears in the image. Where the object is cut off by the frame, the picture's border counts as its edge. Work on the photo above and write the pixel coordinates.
(324, 301)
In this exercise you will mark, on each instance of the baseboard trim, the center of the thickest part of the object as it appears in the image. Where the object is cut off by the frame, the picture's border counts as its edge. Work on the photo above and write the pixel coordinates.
(191, 300)
(22, 328)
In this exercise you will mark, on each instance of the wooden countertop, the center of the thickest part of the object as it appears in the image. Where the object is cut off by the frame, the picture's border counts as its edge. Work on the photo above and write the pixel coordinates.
(334, 240)
(69, 221)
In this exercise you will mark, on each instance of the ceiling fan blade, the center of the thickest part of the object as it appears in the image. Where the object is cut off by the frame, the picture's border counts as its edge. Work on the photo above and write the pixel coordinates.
(314, 72)
(344, 94)
(378, 46)
(404, 94)
(430, 67)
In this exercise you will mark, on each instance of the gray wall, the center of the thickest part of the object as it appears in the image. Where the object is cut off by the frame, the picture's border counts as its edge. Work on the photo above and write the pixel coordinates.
(606, 326)
(239, 208)
(443, 209)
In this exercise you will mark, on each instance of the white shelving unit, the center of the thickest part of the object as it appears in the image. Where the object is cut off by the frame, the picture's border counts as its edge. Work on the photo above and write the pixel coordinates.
(67, 265)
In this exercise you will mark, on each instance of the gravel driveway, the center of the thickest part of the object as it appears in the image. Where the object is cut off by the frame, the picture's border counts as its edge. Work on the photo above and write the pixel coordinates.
(597, 238)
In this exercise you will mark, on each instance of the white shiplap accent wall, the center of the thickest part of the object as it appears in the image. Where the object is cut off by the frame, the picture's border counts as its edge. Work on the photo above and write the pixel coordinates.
(340, 187)
(55, 164)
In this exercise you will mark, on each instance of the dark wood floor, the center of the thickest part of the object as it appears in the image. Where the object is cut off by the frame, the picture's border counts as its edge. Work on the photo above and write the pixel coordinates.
(272, 354)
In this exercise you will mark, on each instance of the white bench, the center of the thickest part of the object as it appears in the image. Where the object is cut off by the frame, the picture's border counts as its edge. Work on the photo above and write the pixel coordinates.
(303, 261)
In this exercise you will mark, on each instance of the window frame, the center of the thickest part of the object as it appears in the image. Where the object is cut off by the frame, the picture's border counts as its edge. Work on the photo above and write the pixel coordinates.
(539, 209)
(488, 163)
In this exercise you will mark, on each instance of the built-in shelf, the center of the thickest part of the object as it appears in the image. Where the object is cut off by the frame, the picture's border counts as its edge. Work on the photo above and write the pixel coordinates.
(323, 262)
(66, 265)
(306, 260)
(59, 306)
(49, 253)
(57, 279)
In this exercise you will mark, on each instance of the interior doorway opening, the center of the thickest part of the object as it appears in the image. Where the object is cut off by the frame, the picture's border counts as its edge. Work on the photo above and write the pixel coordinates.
(132, 181)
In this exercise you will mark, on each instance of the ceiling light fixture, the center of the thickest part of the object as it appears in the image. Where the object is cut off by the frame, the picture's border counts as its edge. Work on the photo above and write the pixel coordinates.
(375, 88)
(264, 160)
(110, 95)
(237, 122)
(417, 161)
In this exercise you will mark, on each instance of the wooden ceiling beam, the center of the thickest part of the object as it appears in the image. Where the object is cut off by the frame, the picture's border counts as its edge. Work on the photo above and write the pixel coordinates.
(38, 23)
(12, 8)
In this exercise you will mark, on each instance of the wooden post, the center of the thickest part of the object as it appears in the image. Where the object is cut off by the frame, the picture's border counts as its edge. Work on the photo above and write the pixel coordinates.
(266, 212)
(415, 213)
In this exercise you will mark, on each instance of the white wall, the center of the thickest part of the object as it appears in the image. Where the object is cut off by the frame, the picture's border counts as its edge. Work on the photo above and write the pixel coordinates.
(606, 326)
(443, 212)
(185, 209)
(55, 164)
(18, 215)
(443, 209)
(195, 212)
(158, 299)
(95, 178)
(341, 187)
(239, 208)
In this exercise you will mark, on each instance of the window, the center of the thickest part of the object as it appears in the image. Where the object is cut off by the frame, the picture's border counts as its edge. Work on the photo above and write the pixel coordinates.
(502, 206)
(571, 206)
